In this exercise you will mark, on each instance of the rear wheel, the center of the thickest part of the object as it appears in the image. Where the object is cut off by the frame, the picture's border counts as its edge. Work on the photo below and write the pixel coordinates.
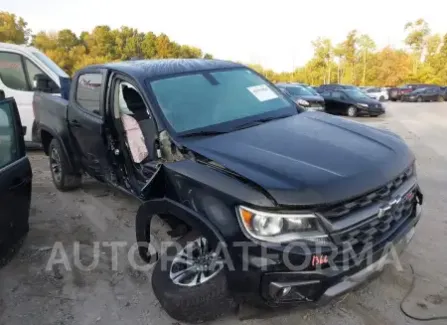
(440, 99)
(190, 282)
(419, 99)
(62, 179)
(352, 111)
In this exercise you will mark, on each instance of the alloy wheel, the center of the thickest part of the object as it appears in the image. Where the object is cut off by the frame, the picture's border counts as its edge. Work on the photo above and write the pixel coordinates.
(55, 164)
(352, 111)
(195, 264)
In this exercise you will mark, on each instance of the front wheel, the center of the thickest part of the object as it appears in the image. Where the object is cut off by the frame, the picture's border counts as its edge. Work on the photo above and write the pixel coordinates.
(382, 98)
(62, 179)
(190, 282)
(419, 99)
(352, 111)
(440, 99)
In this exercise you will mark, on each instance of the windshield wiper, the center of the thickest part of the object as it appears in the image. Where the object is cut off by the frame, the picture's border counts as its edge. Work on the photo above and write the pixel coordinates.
(203, 133)
(257, 122)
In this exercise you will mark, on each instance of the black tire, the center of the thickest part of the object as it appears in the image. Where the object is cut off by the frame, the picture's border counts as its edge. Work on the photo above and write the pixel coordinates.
(64, 181)
(393, 99)
(351, 111)
(419, 99)
(201, 303)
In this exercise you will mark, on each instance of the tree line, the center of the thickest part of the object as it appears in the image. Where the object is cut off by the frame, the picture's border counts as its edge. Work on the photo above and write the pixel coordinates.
(356, 60)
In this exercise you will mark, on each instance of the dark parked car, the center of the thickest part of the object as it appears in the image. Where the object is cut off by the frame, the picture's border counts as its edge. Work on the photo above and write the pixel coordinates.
(396, 93)
(351, 102)
(303, 96)
(329, 87)
(238, 171)
(428, 94)
(15, 181)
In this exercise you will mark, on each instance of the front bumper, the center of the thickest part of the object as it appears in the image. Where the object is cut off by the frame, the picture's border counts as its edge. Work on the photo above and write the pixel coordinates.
(281, 287)
(370, 110)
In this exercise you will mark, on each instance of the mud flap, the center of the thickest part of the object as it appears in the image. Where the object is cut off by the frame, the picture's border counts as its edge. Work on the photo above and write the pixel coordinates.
(143, 234)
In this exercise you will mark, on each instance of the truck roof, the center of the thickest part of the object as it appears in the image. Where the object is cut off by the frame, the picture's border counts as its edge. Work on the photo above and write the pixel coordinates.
(20, 48)
(142, 69)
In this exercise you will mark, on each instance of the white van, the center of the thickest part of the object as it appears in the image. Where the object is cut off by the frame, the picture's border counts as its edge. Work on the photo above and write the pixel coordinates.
(19, 66)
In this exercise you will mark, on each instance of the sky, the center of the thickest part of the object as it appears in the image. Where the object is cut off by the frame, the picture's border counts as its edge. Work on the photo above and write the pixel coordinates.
(276, 34)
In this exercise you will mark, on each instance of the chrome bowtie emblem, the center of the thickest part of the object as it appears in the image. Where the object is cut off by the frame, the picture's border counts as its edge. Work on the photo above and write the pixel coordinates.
(389, 206)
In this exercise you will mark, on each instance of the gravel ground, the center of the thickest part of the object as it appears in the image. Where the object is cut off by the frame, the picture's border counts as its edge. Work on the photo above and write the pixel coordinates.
(31, 293)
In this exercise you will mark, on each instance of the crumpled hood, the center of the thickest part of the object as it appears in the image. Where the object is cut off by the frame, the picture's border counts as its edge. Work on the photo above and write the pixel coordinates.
(311, 158)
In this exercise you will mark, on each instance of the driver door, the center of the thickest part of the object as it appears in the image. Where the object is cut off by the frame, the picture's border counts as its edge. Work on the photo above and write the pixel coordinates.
(86, 118)
(15, 175)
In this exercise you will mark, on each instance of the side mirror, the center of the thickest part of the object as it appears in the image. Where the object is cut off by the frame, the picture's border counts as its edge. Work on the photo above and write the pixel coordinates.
(43, 83)
(2, 95)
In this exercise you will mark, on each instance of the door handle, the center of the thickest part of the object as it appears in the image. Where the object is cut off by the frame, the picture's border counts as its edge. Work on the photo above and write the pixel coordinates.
(75, 123)
(16, 182)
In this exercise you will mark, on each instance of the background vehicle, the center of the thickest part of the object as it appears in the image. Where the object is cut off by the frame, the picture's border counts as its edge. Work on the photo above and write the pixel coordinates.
(19, 67)
(15, 181)
(397, 92)
(232, 160)
(428, 94)
(303, 96)
(328, 87)
(380, 94)
(351, 102)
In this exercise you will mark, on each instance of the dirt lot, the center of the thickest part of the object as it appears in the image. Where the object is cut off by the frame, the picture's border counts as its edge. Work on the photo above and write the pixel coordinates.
(119, 294)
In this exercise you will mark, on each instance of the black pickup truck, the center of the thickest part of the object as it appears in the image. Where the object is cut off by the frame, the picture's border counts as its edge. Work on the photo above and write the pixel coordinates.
(269, 204)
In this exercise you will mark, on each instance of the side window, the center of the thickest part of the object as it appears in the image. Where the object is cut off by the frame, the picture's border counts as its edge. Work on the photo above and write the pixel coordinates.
(88, 92)
(128, 101)
(34, 70)
(8, 138)
(336, 94)
(12, 73)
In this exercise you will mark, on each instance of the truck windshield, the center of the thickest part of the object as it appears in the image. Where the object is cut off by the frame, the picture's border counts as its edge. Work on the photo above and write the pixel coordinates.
(227, 98)
(50, 64)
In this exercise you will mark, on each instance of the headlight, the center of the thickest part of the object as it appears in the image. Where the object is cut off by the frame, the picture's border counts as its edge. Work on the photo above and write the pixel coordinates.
(279, 228)
(362, 105)
(302, 102)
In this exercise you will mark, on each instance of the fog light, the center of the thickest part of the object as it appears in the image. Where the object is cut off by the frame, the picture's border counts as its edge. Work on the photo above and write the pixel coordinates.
(284, 292)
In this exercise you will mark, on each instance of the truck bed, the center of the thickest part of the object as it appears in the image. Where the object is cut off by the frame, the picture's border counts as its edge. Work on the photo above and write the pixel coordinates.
(50, 110)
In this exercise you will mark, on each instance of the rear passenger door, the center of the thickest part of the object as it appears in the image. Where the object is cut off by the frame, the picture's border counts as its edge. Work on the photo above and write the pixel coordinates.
(86, 120)
(15, 173)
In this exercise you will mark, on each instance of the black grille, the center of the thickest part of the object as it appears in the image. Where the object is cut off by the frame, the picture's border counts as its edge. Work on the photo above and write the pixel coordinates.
(339, 211)
(378, 229)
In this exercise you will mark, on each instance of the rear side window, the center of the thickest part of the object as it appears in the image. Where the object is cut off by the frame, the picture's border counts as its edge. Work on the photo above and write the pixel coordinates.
(12, 73)
(8, 139)
(336, 94)
(88, 92)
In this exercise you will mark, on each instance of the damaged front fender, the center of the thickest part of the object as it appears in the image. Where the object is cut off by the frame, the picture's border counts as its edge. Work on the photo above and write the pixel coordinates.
(162, 206)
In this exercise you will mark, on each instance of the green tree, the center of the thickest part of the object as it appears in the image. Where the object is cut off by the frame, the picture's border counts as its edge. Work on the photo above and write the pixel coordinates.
(366, 45)
(416, 39)
(13, 29)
